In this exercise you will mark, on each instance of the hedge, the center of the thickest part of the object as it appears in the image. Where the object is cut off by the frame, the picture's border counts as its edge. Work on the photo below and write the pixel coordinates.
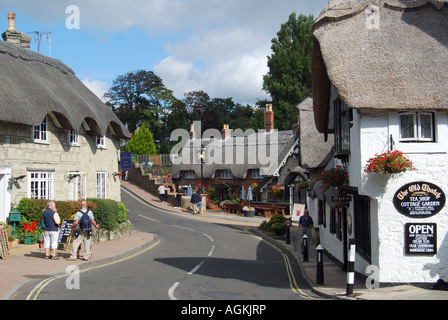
(108, 213)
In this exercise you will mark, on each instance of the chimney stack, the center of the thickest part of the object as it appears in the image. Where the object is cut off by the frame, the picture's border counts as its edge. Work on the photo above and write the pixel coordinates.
(225, 132)
(11, 21)
(13, 36)
(269, 118)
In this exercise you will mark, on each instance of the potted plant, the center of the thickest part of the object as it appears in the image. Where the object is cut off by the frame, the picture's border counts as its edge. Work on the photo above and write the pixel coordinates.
(249, 211)
(389, 162)
(29, 232)
(336, 177)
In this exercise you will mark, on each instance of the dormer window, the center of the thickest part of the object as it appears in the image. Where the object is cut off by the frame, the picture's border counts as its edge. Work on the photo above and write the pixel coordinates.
(73, 138)
(101, 142)
(226, 174)
(40, 134)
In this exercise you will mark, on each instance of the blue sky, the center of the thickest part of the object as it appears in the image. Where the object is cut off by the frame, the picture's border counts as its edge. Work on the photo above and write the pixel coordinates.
(218, 46)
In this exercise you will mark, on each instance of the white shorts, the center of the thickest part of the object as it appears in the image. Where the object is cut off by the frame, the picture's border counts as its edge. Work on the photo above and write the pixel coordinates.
(51, 239)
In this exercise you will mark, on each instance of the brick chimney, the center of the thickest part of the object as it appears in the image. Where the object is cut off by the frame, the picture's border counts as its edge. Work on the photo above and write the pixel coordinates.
(13, 36)
(269, 118)
(225, 132)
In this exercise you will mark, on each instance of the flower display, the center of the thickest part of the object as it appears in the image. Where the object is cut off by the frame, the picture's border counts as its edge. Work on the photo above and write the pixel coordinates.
(211, 204)
(277, 191)
(389, 162)
(32, 230)
(336, 177)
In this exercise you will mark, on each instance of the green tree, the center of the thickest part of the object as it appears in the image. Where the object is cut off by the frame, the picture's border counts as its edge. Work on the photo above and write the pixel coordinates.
(289, 79)
(142, 142)
(129, 96)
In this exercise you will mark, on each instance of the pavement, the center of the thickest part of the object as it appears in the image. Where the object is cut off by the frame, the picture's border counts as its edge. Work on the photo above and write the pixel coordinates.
(27, 264)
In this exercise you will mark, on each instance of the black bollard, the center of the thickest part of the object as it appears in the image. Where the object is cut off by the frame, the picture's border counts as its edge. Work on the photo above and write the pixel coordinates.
(288, 224)
(320, 265)
(305, 248)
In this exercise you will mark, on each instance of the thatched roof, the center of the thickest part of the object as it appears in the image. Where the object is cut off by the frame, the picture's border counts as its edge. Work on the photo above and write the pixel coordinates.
(237, 154)
(389, 57)
(33, 86)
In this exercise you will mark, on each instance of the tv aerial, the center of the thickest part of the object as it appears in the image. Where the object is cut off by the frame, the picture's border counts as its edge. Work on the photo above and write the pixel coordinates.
(38, 36)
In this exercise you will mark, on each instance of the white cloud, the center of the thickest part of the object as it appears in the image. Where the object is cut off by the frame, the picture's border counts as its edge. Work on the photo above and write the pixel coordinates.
(99, 88)
(219, 46)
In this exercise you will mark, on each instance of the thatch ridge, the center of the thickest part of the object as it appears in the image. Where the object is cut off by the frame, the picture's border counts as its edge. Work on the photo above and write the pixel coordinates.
(34, 86)
(399, 66)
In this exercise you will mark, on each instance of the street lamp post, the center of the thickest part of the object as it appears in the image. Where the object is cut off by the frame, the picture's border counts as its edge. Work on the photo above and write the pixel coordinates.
(201, 156)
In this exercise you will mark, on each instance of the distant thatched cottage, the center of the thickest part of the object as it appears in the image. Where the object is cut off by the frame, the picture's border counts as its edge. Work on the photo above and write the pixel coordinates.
(380, 74)
(57, 139)
(233, 158)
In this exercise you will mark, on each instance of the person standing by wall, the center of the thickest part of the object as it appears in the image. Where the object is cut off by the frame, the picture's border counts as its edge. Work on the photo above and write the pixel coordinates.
(195, 199)
(161, 191)
(51, 221)
(179, 194)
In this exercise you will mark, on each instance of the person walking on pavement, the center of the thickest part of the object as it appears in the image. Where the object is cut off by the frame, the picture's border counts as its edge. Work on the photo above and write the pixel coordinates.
(179, 193)
(305, 225)
(195, 199)
(84, 219)
(51, 221)
(161, 191)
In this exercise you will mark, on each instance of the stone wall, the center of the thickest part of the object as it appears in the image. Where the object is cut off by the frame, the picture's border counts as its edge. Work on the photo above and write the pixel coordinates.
(21, 154)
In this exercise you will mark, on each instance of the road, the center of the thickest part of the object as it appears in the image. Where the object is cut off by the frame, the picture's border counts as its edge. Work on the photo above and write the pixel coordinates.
(193, 260)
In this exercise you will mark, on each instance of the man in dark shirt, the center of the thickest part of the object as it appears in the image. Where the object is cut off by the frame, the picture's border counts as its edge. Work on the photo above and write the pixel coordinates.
(195, 199)
(305, 225)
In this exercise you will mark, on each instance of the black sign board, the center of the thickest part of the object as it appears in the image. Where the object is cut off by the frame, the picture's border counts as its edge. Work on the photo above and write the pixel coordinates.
(421, 238)
(419, 199)
(341, 198)
(66, 231)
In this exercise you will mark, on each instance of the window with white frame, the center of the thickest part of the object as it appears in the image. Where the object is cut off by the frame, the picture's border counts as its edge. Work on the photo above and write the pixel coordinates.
(40, 133)
(417, 126)
(226, 174)
(101, 185)
(190, 174)
(40, 185)
(73, 137)
(101, 142)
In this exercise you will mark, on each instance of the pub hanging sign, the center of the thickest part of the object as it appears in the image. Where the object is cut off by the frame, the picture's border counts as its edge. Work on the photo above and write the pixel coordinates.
(419, 199)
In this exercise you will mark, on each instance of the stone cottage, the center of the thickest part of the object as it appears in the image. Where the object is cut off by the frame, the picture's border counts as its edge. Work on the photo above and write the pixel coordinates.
(379, 84)
(57, 139)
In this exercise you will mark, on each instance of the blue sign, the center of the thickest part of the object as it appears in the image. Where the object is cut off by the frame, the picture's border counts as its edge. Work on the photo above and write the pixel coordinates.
(126, 161)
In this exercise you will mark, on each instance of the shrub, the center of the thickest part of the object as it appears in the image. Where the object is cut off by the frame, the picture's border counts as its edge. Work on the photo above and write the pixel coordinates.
(122, 215)
(275, 225)
(106, 213)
